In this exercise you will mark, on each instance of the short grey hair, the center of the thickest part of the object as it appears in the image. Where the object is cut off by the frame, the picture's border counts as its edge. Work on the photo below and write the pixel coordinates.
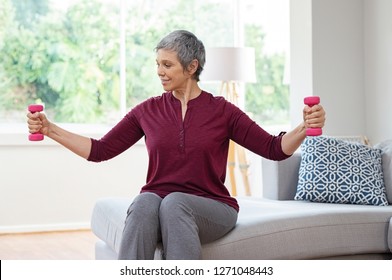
(187, 46)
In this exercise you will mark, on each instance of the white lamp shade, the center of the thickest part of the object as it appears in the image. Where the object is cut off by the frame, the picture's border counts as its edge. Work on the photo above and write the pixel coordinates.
(229, 64)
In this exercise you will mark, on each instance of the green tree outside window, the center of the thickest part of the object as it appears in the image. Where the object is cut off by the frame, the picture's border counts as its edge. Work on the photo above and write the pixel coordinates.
(69, 58)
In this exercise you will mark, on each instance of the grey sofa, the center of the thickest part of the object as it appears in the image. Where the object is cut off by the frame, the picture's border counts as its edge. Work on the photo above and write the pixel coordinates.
(276, 226)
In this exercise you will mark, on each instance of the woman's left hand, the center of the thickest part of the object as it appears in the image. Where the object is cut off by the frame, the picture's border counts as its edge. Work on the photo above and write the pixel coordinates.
(314, 116)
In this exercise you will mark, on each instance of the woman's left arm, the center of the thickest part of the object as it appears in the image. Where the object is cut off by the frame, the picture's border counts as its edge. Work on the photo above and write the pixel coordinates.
(313, 117)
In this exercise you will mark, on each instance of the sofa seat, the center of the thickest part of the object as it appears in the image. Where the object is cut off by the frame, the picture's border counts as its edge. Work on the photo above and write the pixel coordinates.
(272, 229)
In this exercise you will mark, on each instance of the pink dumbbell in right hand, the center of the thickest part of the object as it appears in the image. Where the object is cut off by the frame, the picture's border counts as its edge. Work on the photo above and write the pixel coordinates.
(311, 101)
(36, 136)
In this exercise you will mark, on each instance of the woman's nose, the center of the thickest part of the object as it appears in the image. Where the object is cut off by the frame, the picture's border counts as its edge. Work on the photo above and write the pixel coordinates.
(160, 71)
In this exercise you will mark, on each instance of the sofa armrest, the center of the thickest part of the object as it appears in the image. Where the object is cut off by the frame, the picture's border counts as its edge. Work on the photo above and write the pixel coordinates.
(280, 178)
(390, 235)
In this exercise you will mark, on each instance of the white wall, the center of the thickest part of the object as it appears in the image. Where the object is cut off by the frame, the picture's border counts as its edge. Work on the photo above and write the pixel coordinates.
(327, 60)
(378, 68)
(43, 186)
(341, 50)
(301, 61)
(338, 64)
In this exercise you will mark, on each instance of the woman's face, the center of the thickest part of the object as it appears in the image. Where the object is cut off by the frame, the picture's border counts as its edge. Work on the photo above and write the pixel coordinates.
(170, 71)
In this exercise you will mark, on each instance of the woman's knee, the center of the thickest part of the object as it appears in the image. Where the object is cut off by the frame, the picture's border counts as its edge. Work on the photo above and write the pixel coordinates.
(174, 204)
(144, 206)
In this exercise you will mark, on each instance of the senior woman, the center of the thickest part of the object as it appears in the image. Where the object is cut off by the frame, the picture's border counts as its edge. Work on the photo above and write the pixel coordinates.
(184, 202)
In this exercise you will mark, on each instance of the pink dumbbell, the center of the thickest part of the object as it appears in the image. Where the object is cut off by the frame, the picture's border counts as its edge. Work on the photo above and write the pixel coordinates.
(36, 136)
(311, 101)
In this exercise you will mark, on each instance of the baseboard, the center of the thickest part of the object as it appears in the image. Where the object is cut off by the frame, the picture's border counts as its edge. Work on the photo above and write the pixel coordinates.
(44, 228)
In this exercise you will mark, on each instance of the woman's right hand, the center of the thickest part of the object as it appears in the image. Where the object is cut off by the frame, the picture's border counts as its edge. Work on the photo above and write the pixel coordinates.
(38, 123)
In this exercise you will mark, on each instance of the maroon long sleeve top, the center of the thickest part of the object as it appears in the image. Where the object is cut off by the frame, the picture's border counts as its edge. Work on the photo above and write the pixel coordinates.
(187, 155)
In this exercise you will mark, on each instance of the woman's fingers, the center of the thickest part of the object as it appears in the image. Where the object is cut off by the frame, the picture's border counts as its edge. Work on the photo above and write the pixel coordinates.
(315, 116)
(34, 122)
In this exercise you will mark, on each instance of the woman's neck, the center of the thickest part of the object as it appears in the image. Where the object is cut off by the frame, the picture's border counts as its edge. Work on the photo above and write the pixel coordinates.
(191, 91)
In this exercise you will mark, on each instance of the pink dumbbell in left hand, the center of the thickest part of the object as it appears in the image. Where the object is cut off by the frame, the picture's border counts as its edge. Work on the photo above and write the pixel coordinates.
(36, 108)
(311, 101)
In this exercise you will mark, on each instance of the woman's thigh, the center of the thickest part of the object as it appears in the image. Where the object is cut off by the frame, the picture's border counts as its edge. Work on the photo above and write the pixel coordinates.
(213, 218)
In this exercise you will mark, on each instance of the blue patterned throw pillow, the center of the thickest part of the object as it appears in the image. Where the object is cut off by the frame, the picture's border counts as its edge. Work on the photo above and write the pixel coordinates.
(336, 171)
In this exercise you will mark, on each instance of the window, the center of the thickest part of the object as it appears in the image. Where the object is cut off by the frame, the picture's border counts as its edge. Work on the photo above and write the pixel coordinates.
(89, 61)
(266, 28)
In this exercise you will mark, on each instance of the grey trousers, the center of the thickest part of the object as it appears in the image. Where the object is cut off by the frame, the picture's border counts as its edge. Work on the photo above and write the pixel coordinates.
(182, 222)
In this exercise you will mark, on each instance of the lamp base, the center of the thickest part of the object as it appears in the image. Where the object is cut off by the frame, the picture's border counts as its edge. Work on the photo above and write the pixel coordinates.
(236, 151)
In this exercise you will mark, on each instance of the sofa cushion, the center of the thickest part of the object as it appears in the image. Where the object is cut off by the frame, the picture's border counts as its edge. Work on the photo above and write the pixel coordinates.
(337, 171)
(386, 148)
(270, 229)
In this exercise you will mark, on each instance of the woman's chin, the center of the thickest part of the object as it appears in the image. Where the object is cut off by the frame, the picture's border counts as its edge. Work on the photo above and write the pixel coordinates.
(166, 88)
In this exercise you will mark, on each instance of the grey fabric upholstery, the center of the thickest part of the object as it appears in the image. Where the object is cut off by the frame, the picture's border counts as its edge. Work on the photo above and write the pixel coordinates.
(280, 177)
(390, 235)
(386, 147)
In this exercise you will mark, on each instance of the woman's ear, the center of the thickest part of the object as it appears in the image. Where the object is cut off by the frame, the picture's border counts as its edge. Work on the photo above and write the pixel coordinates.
(192, 67)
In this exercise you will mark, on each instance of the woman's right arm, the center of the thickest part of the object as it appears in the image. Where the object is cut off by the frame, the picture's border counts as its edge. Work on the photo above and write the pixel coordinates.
(78, 144)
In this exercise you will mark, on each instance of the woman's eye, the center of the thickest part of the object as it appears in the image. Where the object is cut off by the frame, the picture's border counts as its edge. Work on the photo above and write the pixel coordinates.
(166, 65)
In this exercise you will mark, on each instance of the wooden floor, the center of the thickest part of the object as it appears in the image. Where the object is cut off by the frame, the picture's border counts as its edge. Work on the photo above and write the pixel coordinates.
(68, 245)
